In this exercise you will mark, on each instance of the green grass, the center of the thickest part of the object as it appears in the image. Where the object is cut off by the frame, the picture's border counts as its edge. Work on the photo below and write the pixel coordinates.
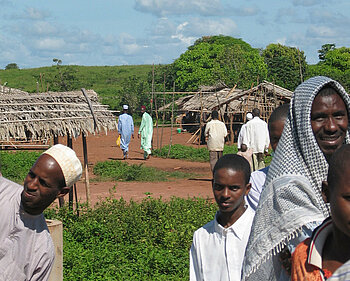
(15, 165)
(122, 171)
(119, 240)
(107, 81)
(179, 151)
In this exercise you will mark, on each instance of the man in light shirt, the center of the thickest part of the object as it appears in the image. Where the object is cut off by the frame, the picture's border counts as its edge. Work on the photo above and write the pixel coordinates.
(215, 131)
(26, 248)
(257, 138)
(242, 131)
(218, 247)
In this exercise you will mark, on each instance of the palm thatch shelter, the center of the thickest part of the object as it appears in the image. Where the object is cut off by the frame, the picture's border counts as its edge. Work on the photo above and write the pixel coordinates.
(33, 120)
(233, 104)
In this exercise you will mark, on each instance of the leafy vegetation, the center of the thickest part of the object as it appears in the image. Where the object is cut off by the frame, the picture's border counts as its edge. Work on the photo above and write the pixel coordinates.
(119, 240)
(122, 171)
(179, 151)
(16, 165)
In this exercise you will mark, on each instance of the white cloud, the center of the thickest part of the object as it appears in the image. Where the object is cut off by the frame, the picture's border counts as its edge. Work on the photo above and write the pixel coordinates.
(50, 44)
(244, 11)
(127, 44)
(179, 7)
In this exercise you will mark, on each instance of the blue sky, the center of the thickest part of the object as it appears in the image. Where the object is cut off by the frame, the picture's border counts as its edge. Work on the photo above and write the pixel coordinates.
(126, 32)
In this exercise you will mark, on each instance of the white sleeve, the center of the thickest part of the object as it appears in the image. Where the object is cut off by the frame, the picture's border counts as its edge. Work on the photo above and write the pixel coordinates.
(195, 264)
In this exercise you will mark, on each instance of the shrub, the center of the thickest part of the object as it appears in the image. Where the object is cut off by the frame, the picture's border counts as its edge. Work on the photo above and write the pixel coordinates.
(122, 171)
(131, 241)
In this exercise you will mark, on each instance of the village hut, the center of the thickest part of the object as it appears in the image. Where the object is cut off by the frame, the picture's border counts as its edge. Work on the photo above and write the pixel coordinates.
(27, 119)
(232, 104)
(44, 116)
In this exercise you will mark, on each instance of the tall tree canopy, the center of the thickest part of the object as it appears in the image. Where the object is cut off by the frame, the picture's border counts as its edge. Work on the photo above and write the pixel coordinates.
(285, 65)
(335, 64)
(218, 58)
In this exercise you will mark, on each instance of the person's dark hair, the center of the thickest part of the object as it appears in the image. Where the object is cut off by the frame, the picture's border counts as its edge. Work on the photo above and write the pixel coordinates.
(280, 113)
(256, 112)
(337, 164)
(215, 114)
(234, 162)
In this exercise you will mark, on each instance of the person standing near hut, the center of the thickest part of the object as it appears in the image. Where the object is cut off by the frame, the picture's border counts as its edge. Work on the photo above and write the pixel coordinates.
(126, 130)
(146, 132)
(242, 131)
(215, 131)
(257, 137)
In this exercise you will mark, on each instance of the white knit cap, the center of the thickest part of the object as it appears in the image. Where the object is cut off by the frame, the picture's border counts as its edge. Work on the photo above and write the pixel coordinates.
(249, 116)
(68, 161)
(125, 106)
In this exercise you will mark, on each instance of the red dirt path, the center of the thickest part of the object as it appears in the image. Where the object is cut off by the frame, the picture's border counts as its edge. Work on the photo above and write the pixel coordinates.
(102, 147)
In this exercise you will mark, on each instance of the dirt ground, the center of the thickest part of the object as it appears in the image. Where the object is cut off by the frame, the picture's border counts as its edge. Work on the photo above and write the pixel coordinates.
(103, 147)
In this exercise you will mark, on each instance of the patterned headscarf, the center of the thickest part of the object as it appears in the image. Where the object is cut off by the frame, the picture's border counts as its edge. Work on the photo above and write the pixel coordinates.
(292, 194)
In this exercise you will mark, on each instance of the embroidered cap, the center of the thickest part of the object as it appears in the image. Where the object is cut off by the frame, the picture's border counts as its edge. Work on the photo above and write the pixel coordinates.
(125, 106)
(68, 161)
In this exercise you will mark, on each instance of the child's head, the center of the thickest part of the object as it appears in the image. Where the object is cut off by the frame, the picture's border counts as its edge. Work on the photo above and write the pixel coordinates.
(336, 190)
(276, 124)
(231, 176)
(244, 147)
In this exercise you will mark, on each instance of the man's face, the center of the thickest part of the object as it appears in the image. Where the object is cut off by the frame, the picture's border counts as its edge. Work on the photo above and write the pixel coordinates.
(229, 189)
(275, 132)
(329, 122)
(43, 184)
(339, 199)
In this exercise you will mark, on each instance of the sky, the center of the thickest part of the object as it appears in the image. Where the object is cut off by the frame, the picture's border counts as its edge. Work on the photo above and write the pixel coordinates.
(134, 32)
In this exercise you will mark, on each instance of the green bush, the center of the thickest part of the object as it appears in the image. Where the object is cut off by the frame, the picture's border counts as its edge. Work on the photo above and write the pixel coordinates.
(179, 151)
(131, 241)
(15, 165)
(122, 171)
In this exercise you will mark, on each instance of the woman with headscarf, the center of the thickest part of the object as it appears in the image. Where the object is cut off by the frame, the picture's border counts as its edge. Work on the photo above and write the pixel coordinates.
(291, 204)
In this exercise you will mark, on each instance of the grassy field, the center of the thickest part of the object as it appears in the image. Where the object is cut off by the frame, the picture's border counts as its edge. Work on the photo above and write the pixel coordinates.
(107, 81)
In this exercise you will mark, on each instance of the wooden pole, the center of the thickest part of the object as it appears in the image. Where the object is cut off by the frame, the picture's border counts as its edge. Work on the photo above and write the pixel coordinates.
(200, 119)
(300, 69)
(87, 182)
(70, 144)
(163, 119)
(152, 90)
(172, 122)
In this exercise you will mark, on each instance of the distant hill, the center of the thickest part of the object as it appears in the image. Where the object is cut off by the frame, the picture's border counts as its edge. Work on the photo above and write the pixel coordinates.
(107, 81)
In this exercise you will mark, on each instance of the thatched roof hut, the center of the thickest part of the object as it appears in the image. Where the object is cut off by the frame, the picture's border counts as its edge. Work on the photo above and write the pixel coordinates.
(46, 115)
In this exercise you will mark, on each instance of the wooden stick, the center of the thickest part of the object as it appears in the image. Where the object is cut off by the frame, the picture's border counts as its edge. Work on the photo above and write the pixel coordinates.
(172, 123)
(86, 163)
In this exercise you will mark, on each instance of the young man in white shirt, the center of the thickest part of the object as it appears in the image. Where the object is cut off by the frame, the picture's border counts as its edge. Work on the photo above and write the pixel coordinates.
(215, 131)
(218, 247)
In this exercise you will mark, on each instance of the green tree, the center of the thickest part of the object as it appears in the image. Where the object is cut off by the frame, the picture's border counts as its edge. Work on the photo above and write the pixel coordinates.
(218, 58)
(12, 66)
(324, 50)
(285, 65)
(336, 65)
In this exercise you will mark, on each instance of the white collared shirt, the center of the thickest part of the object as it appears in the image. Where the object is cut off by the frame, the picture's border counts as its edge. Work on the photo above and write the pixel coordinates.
(216, 132)
(217, 253)
(256, 135)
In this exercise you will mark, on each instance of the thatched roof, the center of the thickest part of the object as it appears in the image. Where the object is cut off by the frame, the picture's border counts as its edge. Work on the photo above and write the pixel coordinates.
(45, 115)
(235, 99)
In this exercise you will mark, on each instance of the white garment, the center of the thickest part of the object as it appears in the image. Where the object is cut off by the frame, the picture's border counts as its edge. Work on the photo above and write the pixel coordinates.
(257, 135)
(217, 252)
(257, 179)
(240, 136)
(26, 248)
(216, 132)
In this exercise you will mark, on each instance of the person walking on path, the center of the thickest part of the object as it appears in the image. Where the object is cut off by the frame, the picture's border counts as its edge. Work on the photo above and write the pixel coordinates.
(126, 130)
(215, 131)
(257, 138)
(146, 132)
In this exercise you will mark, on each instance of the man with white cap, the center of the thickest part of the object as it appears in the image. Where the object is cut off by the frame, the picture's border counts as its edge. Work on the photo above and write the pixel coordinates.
(126, 130)
(249, 117)
(26, 247)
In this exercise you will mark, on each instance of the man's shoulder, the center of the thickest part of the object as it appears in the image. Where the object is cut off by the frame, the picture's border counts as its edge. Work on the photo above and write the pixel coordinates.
(205, 229)
(9, 188)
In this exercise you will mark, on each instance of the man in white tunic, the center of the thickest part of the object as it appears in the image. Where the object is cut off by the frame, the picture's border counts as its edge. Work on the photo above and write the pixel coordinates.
(218, 247)
(215, 131)
(257, 138)
(26, 248)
